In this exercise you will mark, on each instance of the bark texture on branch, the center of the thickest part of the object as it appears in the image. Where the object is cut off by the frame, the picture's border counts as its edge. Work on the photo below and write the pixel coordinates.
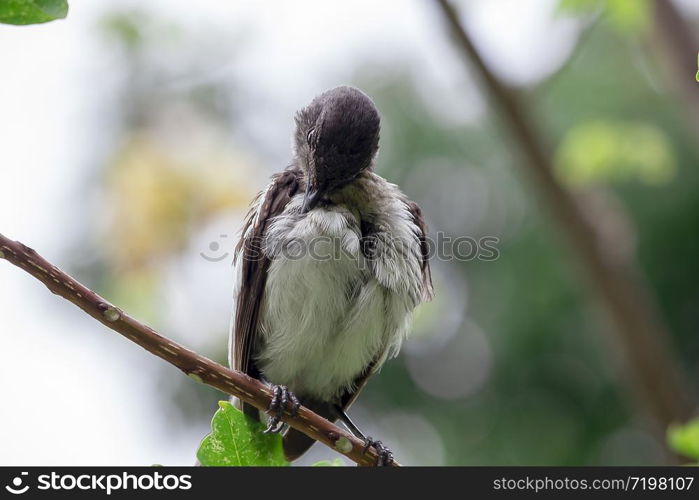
(192, 364)
(637, 328)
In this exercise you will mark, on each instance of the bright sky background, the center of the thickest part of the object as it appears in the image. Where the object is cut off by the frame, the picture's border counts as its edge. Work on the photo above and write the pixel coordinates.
(71, 397)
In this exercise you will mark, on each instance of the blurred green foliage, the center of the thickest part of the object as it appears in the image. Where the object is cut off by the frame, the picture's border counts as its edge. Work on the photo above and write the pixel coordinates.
(32, 11)
(624, 15)
(603, 151)
(125, 27)
(684, 439)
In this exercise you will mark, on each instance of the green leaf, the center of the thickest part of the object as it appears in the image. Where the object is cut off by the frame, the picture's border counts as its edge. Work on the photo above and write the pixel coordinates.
(684, 439)
(330, 463)
(32, 11)
(237, 440)
(697, 77)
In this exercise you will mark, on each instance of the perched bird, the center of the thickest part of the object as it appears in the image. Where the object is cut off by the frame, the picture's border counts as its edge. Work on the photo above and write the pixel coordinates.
(331, 263)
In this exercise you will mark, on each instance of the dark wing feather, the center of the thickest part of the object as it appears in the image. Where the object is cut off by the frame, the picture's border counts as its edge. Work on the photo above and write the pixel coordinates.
(419, 220)
(255, 264)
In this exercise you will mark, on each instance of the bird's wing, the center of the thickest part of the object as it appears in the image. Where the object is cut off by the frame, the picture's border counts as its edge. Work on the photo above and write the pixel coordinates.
(254, 265)
(419, 220)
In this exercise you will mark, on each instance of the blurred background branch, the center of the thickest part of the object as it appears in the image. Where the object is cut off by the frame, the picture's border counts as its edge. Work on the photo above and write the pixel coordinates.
(677, 49)
(638, 330)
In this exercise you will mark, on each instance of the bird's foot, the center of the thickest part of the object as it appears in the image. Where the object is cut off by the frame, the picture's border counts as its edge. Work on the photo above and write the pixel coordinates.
(385, 455)
(282, 399)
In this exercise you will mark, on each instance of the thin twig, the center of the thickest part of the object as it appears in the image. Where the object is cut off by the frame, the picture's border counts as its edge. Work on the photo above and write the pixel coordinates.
(195, 366)
(641, 335)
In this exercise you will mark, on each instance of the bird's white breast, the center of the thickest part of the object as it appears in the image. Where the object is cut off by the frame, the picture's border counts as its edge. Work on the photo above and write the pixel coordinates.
(323, 319)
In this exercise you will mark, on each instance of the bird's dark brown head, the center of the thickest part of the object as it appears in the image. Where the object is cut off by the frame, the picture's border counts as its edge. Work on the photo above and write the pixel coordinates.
(337, 137)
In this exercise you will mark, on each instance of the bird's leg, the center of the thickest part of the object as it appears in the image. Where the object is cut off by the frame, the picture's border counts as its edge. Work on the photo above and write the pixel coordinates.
(385, 455)
(275, 406)
(282, 398)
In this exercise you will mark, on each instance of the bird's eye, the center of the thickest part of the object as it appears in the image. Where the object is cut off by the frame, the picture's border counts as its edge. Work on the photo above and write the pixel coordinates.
(310, 135)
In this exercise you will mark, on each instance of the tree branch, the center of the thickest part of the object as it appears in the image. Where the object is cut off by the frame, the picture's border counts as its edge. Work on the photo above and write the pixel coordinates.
(192, 364)
(679, 54)
(640, 334)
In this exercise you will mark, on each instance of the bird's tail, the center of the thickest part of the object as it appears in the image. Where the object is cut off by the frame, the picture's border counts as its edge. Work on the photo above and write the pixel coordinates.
(297, 443)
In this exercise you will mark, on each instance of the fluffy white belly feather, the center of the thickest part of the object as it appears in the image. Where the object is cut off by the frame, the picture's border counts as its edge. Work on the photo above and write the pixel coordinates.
(325, 318)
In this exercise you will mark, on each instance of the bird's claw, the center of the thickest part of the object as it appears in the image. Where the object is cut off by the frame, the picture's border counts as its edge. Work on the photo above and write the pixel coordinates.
(281, 399)
(385, 455)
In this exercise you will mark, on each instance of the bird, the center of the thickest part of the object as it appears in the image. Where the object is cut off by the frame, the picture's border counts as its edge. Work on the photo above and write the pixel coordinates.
(331, 263)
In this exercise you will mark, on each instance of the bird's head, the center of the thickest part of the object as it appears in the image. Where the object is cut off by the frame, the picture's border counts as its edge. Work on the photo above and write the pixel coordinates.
(337, 137)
